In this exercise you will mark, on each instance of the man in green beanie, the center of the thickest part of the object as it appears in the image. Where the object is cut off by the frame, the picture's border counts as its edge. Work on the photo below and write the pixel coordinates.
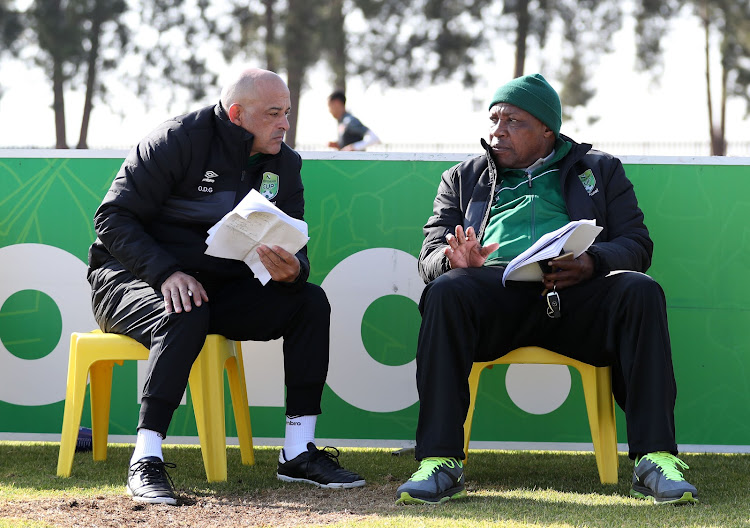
(530, 181)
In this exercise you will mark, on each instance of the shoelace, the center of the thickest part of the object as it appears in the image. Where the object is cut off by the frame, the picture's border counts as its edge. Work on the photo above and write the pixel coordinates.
(429, 465)
(153, 471)
(328, 457)
(668, 463)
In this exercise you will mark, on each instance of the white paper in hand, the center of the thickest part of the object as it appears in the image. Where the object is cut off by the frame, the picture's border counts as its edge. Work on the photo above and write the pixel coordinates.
(255, 221)
(576, 236)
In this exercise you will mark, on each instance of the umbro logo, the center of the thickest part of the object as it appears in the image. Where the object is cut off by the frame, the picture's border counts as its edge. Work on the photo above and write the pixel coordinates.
(210, 177)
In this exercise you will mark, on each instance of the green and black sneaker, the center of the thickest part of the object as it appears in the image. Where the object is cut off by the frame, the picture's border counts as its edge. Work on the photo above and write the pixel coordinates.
(656, 477)
(437, 480)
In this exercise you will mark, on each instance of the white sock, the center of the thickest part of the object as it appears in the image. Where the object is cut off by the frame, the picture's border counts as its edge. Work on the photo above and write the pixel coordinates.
(300, 430)
(147, 444)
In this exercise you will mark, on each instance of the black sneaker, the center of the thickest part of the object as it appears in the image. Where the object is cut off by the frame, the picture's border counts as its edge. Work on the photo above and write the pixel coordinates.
(148, 481)
(319, 467)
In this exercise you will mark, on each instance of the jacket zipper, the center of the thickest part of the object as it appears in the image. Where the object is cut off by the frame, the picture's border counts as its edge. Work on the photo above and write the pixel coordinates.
(493, 175)
(532, 227)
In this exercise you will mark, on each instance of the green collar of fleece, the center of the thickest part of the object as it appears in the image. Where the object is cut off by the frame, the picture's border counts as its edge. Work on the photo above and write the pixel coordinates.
(560, 150)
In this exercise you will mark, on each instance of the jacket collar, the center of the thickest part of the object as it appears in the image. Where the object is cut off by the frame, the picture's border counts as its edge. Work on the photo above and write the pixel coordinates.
(231, 131)
(577, 151)
(238, 134)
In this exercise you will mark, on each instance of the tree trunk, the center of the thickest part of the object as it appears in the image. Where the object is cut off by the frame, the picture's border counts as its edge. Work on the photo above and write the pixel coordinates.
(295, 89)
(716, 133)
(338, 44)
(90, 81)
(297, 58)
(522, 32)
(722, 140)
(707, 33)
(58, 104)
(270, 23)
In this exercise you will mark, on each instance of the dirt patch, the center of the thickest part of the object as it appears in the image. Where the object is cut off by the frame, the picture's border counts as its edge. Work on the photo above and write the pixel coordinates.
(289, 506)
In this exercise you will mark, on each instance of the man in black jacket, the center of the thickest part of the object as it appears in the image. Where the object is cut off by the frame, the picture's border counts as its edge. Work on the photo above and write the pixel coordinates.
(151, 279)
(533, 180)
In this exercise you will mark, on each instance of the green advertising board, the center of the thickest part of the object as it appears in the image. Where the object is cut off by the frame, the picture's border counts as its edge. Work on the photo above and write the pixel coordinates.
(365, 213)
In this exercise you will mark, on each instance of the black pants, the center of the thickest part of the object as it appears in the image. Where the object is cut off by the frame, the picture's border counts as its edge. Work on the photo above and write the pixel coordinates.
(240, 310)
(618, 320)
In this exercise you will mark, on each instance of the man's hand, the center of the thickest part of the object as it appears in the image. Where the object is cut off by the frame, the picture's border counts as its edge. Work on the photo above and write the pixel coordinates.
(464, 251)
(569, 272)
(333, 145)
(180, 290)
(282, 265)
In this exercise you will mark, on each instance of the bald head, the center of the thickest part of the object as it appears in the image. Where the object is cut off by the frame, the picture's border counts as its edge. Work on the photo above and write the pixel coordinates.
(258, 101)
(246, 87)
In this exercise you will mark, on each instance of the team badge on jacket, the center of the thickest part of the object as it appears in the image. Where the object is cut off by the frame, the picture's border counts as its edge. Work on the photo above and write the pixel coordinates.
(269, 186)
(589, 182)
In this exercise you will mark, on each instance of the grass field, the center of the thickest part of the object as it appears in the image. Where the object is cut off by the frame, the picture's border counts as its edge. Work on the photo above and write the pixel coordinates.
(506, 489)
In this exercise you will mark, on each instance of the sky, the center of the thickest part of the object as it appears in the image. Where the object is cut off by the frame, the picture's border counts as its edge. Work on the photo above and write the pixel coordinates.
(632, 107)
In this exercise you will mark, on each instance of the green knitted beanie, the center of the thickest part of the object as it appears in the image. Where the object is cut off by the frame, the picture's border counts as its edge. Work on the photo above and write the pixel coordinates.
(533, 94)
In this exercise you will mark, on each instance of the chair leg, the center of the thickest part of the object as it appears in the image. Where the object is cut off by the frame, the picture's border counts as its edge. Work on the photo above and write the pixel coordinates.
(207, 391)
(238, 391)
(476, 371)
(101, 398)
(597, 389)
(607, 426)
(74, 396)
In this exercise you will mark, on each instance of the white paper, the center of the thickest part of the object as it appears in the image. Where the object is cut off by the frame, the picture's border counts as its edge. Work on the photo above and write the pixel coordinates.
(255, 221)
(575, 236)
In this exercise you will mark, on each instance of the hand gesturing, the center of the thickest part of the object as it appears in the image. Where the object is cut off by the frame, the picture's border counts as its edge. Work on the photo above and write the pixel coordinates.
(464, 251)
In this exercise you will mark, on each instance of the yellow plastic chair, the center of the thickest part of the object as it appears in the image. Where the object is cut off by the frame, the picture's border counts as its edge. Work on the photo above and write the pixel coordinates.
(597, 389)
(95, 353)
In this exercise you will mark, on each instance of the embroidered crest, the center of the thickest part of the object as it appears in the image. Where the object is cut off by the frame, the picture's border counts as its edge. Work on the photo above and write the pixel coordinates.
(210, 177)
(269, 186)
(589, 182)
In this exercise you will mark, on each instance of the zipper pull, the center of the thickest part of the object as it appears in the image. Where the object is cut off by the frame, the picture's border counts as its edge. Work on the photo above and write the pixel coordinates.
(528, 175)
(242, 178)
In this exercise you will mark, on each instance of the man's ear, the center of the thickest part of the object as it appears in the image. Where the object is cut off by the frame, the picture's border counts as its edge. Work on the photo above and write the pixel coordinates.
(234, 112)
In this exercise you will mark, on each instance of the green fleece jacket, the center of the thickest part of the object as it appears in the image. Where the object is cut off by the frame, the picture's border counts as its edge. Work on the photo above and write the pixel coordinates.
(527, 204)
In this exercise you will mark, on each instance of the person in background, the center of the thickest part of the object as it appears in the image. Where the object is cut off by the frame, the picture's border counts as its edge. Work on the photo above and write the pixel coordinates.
(531, 180)
(353, 135)
(152, 281)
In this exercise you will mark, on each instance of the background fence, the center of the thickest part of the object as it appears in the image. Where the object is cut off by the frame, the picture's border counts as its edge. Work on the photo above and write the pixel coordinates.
(617, 148)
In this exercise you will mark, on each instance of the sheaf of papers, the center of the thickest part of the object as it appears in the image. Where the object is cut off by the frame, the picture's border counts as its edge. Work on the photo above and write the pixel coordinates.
(576, 236)
(255, 221)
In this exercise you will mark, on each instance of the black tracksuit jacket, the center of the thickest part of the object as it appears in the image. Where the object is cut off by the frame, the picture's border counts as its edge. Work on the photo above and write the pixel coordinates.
(177, 183)
(465, 194)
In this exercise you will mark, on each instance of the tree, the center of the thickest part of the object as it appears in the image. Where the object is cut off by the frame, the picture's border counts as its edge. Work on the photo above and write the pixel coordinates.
(72, 41)
(730, 20)
(272, 50)
(412, 42)
(407, 43)
(99, 42)
(289, 34)
(334, 42)
(172, 50)
(56, 27)
(301, 44)
(11, 26)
